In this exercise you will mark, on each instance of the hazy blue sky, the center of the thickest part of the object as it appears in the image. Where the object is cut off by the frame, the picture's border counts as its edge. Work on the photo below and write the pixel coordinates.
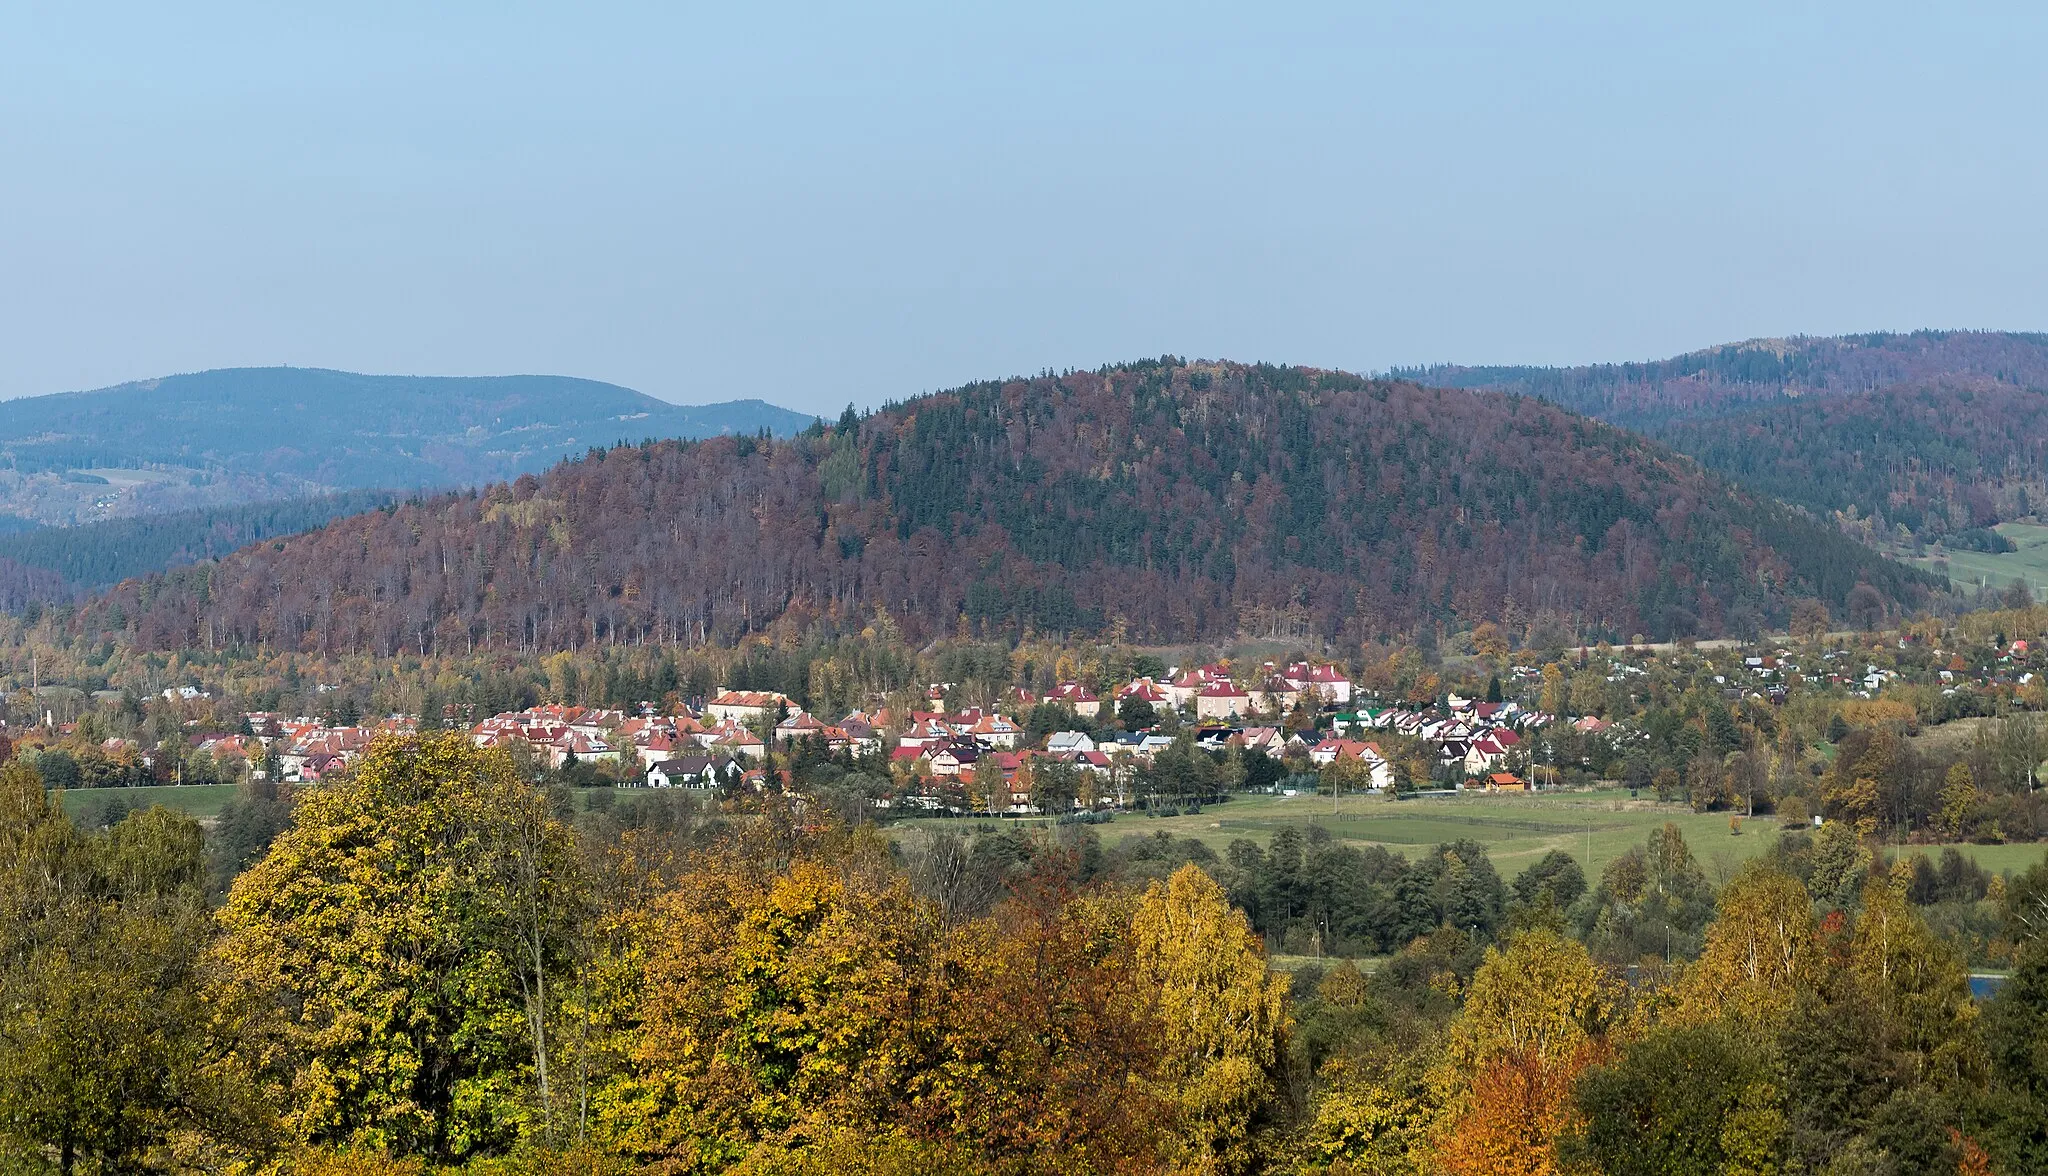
(854, 202)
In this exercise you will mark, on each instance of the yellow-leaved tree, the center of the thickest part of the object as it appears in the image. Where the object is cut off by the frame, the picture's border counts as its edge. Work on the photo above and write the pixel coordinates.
(1537, 1014)
(1917, 981)
(1541, 996)
(1761, 953)
(392, 967)
(780, 1004)
(1554, 695)
(1222, 1015)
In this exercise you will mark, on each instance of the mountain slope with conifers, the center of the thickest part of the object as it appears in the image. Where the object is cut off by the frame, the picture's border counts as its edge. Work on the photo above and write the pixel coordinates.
(102, 554)
(1171, 500)
(1942, 433)
(1938, 458)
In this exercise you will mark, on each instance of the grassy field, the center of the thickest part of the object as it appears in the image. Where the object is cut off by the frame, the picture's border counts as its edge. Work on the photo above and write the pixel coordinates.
(201, 800)
(1594, 827)
(2030, 562)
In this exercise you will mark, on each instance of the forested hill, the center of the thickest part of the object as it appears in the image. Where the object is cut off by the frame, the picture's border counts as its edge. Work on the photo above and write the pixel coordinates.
(1939, 458)
(1184, 500)
(1721, 380)
(244, 434)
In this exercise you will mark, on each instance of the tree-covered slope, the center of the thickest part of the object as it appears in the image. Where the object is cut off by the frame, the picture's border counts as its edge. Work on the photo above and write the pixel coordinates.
(1178, 500)
(1938, 458)
(1730, 378)
(1939, 431)
(244, 434)
(97, 555)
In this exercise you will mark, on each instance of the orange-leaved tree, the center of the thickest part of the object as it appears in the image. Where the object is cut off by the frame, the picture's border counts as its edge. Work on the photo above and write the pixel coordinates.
(1044, 1044)
(1538, 1012)
(1518, 1108)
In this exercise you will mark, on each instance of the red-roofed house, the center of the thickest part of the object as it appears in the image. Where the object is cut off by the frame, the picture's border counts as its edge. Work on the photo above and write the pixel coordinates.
(740, 705)
(740, 742)
(1329, 751)
(1145, 690)
(1328, 682)
(995, 731)
(799, 725)
(1221, 700)
(1077, 698)
(1483, 755)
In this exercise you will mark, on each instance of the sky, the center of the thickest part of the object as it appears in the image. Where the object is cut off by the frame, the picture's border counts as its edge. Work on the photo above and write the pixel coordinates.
(828, 204)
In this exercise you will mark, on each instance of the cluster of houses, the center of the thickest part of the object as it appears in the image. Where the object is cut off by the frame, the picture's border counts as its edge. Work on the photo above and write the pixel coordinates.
(721, 746)
(1479, 737)
(938, 752)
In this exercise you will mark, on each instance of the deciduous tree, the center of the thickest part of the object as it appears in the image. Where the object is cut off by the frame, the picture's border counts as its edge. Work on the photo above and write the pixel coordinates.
(1222, 1015)
(388, 961)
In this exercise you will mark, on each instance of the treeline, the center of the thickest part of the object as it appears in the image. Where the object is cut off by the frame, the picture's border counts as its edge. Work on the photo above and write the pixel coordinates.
(25, 587)
(1177, 500)
(432, 967)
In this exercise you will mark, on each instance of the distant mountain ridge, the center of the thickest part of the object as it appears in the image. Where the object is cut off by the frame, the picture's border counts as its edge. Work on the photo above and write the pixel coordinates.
(1733, 377)
(236, 435)
(1939, 458)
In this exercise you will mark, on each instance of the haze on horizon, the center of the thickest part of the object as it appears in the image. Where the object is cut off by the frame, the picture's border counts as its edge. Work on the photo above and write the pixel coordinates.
(815, 206)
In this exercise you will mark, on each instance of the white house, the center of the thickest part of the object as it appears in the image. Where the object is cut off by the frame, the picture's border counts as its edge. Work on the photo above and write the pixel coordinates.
(1062, 742)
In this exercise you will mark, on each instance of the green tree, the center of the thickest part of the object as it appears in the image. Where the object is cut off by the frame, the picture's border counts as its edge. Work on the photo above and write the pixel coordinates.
(104, 1062)
(1840, 863)
(389, 959)
(1723, 736)
(1555, 880)
(1135, 713)
(2016, 1037)
(1684, 1101)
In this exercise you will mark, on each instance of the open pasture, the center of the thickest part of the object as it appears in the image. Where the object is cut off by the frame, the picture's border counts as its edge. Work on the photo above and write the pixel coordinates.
(1595, 827)
(201, 800)
(1968, 569)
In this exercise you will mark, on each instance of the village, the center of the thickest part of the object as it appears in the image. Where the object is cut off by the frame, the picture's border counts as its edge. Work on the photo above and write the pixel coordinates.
(1178, 736)
(981, 759)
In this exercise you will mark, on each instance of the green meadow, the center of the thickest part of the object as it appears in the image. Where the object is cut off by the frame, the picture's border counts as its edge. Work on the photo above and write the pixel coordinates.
(2030, 563)
(1595, 827)
(201, 800)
